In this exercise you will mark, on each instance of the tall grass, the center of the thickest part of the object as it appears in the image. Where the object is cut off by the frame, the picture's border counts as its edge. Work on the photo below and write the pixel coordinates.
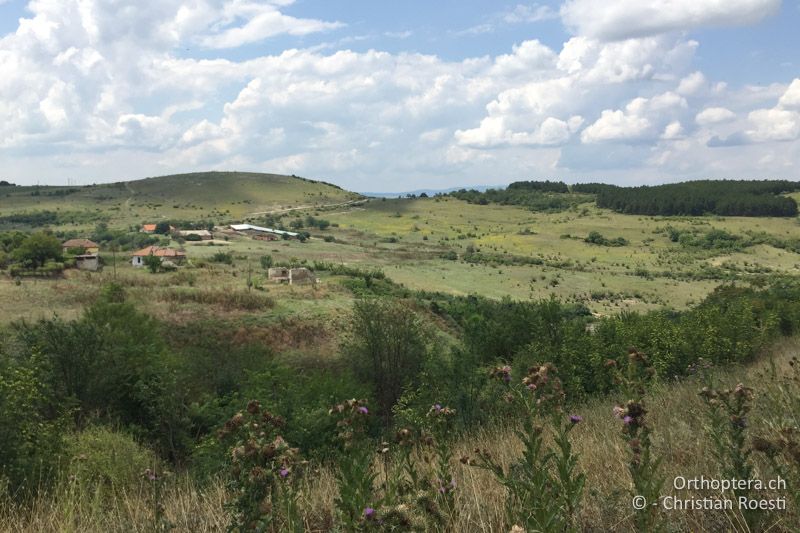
(227, 300)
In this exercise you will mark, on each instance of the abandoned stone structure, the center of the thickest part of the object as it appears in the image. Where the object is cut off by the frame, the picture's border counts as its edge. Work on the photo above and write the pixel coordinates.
(300, 275)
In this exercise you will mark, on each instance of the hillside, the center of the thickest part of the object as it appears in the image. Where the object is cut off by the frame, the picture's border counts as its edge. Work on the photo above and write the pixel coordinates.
(181, 196)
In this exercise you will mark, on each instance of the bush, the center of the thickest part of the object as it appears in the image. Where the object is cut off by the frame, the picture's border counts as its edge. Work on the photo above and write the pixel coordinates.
(107, 460)
(222, 257)
(38, 249)
(31, 427)
(388, 345)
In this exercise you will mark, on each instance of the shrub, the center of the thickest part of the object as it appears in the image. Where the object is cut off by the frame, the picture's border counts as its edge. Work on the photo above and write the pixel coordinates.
(31, 426)
(222, 257)
(37, 249)
(388, 344)
(108, 461)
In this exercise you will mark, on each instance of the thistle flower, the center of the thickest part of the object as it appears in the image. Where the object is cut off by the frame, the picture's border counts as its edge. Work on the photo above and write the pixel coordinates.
(284, 472)
(369, 512)
(575, 419)
(253, 407)
(627, 420)
(363, 410)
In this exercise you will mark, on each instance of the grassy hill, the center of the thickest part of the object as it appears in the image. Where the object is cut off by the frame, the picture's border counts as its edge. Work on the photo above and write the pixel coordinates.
(181, 196)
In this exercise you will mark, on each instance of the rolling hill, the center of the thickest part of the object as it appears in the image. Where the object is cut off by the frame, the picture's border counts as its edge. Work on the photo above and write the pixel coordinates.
(180, 196)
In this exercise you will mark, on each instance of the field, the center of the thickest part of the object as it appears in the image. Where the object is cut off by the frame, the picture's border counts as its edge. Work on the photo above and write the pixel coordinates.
(522, 254)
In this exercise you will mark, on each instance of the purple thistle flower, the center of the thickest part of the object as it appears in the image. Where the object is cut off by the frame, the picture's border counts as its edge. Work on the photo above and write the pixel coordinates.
(437, 407)
(575, 419)
(363, 410)
(284, 472)
(627, 420)
(369, 512)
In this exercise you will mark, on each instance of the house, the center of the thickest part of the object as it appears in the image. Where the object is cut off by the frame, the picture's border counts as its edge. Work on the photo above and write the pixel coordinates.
(293, 276)
(151, 228)
(176, 256)
(249, 229)
(204, 234)
(86, 245)
(87, 262)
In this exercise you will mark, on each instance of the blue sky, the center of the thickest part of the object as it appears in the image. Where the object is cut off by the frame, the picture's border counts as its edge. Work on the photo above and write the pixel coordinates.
(396, 96)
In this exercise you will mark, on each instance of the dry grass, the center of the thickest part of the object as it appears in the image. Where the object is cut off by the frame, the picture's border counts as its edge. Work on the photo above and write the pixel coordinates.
(226, 300)
(676, 413)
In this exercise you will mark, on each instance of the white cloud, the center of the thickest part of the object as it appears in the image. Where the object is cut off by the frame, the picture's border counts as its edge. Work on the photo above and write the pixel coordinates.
(692, 83)
(88, 84)
(261, 22)
(624, 19)
(714, 115)
(641, 119)
(791, 98)
(525, 13)
(773, 125)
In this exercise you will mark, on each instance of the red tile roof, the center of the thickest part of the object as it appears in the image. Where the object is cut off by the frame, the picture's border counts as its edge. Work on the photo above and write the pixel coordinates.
(79, 243)
(159, 252)
(149, 227)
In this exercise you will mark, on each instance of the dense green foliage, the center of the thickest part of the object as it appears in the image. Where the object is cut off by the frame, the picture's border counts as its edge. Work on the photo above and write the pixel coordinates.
(37, 249)
(533, 195)
(724, 198)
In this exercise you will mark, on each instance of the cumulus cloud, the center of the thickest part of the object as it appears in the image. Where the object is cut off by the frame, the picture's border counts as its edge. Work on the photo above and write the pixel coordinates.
(714, 115)
(624, 19)
(640, 120)
(90, 83)
(776, 124)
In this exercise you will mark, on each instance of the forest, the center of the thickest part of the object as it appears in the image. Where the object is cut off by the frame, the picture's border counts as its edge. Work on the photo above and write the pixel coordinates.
(694, 198)
(691, 198)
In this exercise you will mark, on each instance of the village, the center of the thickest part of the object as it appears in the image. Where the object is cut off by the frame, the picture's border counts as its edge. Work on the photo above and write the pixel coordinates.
(86, 253)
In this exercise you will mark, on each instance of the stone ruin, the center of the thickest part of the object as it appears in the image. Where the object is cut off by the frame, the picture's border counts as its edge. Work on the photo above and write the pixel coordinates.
(291, 276)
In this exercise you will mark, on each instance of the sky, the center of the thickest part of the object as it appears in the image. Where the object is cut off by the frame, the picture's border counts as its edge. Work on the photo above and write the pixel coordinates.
(394, 96)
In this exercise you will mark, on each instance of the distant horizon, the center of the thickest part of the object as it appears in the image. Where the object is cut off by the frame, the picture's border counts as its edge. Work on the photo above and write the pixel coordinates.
(392, 193)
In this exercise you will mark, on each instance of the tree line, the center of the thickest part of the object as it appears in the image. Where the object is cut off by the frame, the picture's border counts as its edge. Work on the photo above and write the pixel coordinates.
(694, 198)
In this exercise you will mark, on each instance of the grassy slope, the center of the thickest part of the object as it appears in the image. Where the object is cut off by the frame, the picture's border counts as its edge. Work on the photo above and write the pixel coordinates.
(182, 196)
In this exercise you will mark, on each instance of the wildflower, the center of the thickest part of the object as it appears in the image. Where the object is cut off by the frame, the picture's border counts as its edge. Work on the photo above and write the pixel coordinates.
(575, 419)
(363, 410)
(253, 407)
(437, 407)
(369, 512)
(284, 472)
(627, 419)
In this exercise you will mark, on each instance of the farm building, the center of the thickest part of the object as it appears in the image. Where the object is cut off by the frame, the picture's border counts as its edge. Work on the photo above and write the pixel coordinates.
(204, 234)
(176, 256)
(251, 230)
(87, 262)
(291, 275)
(88, 247)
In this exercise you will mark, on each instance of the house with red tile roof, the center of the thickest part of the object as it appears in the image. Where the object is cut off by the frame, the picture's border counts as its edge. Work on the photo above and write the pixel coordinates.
(88, 247)
(165, 254)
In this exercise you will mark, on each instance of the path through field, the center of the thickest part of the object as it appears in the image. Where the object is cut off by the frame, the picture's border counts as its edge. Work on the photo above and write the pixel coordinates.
(274, 211)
